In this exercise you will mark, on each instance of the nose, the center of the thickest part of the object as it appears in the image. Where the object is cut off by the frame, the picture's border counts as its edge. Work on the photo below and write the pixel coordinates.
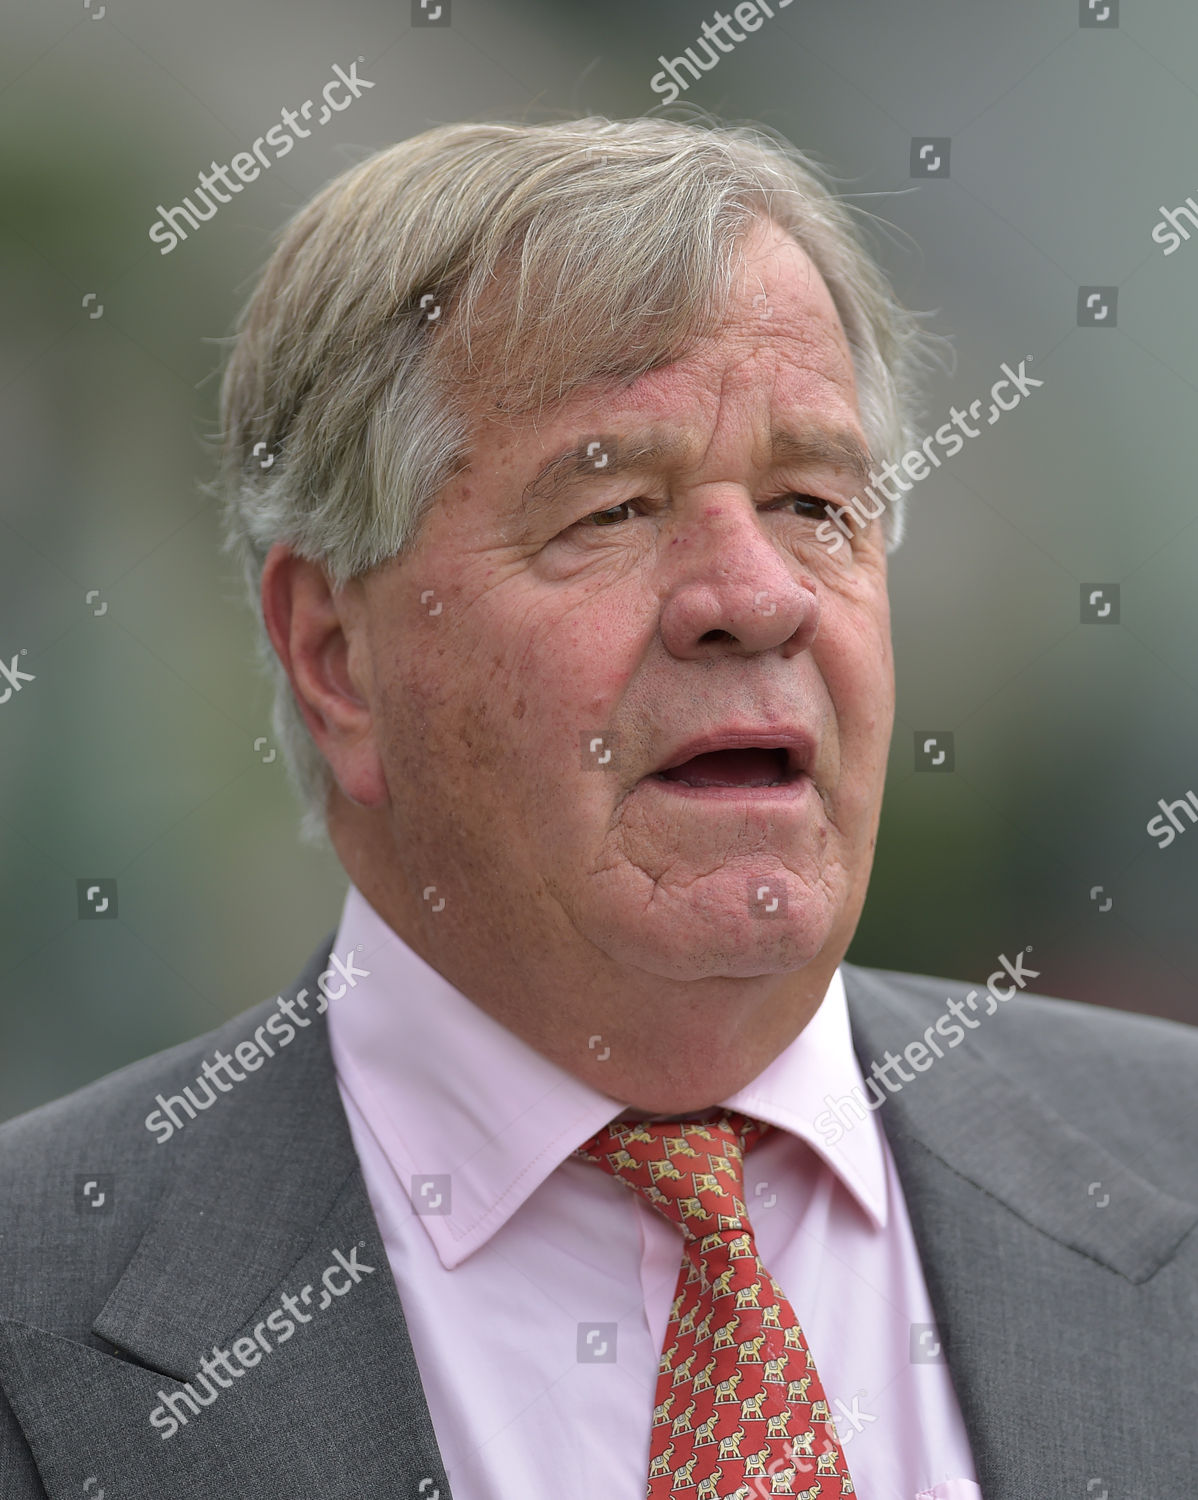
(736, 590)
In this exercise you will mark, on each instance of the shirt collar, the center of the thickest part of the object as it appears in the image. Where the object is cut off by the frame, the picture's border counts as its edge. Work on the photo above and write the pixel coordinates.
(792, 1093)
(448, 1092)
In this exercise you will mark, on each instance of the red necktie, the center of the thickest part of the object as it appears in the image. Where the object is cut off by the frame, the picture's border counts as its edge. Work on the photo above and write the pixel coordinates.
(740, 1409)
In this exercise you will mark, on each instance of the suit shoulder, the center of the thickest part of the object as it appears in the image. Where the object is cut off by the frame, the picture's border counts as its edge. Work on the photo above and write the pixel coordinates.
(1081, 1022)
(79, 1178)
(111, 1112)
(1126, 1078)
(1043, 1020)
(102, 1114)
(82, 1176)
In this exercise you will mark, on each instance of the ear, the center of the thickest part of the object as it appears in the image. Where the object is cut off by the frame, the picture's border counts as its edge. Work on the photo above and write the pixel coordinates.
(320, 636)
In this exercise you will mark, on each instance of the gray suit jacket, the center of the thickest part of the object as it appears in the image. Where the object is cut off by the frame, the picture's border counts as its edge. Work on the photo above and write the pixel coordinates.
(1049, 1167)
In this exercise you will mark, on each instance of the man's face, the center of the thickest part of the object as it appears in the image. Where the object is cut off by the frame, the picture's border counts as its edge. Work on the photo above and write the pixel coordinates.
(642, 609)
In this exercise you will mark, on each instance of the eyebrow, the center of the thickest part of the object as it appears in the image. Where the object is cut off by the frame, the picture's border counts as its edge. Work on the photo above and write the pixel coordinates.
(813, 443)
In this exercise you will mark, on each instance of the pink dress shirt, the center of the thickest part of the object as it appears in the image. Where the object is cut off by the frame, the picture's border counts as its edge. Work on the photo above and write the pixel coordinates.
(537, 1289)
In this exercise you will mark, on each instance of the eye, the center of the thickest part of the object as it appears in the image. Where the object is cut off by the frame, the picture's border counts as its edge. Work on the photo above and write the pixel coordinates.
(608, 517)
(613, 516)
(813, 503)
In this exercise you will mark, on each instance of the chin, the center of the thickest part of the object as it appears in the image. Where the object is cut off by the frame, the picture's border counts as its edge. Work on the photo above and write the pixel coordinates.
(699, 945)
(691, 1090)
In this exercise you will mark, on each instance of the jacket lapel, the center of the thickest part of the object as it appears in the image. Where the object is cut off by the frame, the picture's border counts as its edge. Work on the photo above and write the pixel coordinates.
(266, 1228)
(1055, 1318)
(1034, 1290)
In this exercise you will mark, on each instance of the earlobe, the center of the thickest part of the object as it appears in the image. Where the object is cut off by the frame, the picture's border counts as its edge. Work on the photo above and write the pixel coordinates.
(315, 632)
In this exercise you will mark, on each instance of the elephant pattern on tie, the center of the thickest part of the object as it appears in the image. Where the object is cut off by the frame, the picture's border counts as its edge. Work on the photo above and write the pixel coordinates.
(739, 1402)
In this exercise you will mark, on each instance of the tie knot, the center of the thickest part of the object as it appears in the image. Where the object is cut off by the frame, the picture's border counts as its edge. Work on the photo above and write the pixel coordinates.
(692, 1171)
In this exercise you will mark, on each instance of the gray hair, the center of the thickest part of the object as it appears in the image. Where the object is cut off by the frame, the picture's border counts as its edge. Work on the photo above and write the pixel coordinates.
(346, 401)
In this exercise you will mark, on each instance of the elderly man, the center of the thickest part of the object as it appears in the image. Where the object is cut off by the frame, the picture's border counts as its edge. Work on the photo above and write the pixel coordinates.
(577, 1162)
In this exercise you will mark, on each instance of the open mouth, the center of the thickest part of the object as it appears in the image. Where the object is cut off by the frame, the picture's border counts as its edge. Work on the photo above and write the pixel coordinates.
(746, 765)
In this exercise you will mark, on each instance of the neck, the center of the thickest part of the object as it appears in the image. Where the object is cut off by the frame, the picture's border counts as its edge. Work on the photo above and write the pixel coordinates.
(660, 1046)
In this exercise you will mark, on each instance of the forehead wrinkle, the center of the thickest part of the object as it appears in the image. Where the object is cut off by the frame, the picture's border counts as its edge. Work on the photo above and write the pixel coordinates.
(576, 465)
(821, 443)
(798, 444)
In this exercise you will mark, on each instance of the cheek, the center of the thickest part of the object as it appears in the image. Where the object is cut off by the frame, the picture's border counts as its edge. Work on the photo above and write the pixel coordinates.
(860, 678)
(571, 645)
(856, 663)
(510, 684)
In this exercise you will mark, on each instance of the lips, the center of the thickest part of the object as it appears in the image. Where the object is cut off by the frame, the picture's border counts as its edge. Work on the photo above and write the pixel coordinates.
(740, 757)
(746, 766)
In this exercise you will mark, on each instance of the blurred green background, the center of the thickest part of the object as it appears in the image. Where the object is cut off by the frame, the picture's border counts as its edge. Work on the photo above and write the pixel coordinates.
(130, 756)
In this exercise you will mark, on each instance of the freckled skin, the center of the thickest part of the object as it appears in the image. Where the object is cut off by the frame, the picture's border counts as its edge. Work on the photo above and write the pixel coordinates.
(579, 900)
